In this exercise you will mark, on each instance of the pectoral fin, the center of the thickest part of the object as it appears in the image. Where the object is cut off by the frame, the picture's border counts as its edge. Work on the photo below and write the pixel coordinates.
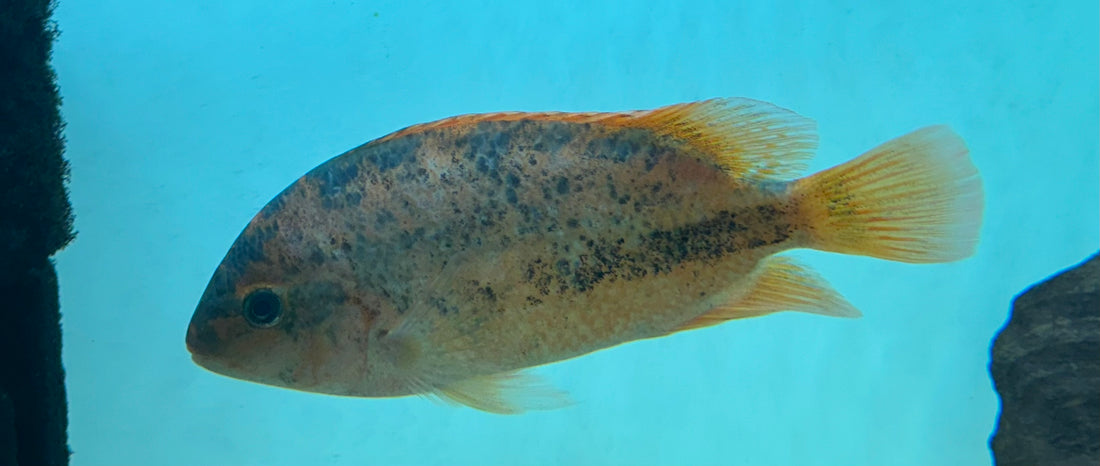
(504, 393)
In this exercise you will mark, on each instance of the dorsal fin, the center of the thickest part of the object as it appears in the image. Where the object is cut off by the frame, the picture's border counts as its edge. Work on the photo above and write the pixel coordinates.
(748, 138)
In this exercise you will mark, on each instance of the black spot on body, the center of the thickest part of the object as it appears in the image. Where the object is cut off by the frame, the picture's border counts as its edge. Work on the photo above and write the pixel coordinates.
(407, 240)
(651, 160)
(656, 252)
(316, 256)
(443, 307)
(246, 251)
(562, 185)
(249, 246)
(704, 240)
(321, 296)
(384, 217)
(340, 175)
(487, 293)
(768, 214)
(625, 150)
(531, 215)
(273, 207)
(486, 164)
(555, 135)
(487, 146)
(563, 267)
(390, 154)
(624, 145)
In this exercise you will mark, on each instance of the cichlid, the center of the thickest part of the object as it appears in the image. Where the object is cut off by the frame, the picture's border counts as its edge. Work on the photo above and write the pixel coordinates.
(445, 258)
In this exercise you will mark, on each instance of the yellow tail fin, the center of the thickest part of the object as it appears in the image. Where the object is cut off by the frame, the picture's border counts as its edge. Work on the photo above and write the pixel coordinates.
(914, 199)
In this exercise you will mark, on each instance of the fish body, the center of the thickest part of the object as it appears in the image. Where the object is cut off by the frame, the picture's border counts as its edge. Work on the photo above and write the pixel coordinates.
(446, 257)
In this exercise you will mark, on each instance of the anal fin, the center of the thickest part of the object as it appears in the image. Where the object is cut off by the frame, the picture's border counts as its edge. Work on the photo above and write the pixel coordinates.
(779, 284)
(504, 393)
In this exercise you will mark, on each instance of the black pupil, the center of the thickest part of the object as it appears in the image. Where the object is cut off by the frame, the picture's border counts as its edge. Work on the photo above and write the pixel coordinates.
(262, 307)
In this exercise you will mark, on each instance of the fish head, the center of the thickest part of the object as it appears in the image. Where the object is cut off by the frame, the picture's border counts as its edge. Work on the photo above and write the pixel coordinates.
(280, 310)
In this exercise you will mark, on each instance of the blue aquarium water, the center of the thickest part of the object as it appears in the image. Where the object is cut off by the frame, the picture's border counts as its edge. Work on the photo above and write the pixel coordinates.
(185, 117)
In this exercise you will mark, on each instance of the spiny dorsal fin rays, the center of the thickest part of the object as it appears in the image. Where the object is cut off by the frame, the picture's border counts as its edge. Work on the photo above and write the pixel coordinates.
(505, 393)
(747, 138)
(779, 284)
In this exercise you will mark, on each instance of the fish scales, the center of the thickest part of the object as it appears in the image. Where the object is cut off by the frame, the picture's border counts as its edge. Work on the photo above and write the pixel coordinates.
(445, 257)
(511, 203)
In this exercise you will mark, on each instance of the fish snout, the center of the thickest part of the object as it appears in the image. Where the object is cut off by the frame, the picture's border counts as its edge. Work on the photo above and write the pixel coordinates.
(202, 340)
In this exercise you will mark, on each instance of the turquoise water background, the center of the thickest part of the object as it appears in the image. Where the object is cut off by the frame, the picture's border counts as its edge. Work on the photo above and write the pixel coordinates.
(185, 117)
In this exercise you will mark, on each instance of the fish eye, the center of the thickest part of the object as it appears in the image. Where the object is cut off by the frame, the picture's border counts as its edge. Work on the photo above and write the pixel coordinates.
(262, 308)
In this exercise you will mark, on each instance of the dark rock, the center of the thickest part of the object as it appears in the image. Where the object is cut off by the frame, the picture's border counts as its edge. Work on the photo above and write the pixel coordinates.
(7, 431)
(30, 366)
(37, 216)
(35, 222)
(1046, 368)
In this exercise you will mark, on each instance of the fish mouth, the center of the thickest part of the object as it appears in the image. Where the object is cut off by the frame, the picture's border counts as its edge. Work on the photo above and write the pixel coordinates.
(207, 350)
(203, 359)
(197, 357)
(200, 342)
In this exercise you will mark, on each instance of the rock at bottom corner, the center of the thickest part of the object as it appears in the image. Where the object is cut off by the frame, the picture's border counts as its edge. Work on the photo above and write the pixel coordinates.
(1046, 369)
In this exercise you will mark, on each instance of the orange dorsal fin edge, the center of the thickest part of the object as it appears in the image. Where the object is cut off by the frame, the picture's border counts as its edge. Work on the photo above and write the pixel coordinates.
(747, 138)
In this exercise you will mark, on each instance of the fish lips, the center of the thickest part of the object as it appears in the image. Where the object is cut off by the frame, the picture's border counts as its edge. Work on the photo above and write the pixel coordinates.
(203, 339)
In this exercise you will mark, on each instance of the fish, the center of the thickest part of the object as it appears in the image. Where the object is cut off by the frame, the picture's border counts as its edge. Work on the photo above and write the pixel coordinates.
(449, 258)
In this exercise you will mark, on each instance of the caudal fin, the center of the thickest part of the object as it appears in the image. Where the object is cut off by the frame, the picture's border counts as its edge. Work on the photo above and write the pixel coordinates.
(917, 198)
